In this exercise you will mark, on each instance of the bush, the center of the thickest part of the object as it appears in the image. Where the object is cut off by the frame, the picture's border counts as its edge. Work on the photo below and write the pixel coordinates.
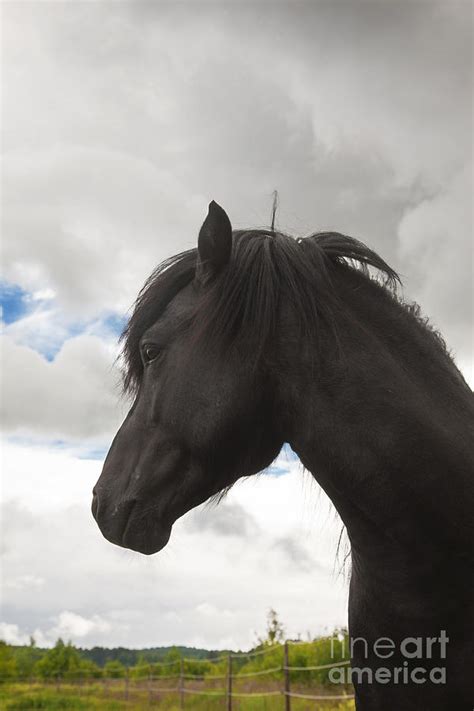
(49, 702)
(114, 669)
(8, 665)
(63, 660)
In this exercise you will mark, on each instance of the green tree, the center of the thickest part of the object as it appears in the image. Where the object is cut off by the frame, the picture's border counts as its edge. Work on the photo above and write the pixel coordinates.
(275, 631)
(172, 656)
(141, 669)
(113, 669)
(62, 660)
(89, 670)
(26, 658)
(8, 666)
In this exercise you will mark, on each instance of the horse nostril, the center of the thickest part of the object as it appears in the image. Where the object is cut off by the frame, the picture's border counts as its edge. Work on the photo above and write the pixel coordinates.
(95, 504)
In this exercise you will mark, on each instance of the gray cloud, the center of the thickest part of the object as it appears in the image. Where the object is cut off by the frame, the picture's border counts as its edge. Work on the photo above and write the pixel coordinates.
(294, 553)
(434, 243)
(61, 578)
(358, 112)
(225, 519)
(76, 396)
(121, 121)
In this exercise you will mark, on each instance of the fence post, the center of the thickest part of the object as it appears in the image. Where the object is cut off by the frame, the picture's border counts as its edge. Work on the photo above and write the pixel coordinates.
(181, 683)
(58, 682)
(126, 684)
(150, 684)
(286, 658)
(229, 682)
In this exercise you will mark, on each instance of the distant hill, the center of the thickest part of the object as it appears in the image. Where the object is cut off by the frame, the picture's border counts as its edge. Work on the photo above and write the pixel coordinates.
(130, 657)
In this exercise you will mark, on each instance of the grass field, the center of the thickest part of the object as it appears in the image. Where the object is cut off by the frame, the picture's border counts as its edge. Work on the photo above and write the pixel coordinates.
(113, 697)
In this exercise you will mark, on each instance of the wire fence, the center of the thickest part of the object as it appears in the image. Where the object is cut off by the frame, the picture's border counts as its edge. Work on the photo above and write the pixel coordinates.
(185, 682)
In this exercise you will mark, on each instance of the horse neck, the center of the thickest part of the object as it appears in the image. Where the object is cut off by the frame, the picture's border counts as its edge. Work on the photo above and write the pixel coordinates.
(384, 427)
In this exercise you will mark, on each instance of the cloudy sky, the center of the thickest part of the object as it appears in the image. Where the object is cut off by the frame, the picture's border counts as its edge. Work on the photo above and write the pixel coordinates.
(121, 121)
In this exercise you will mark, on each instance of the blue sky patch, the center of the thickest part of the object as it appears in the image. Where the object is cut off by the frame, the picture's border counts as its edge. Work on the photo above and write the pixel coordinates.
(115, 323)
(13, 301)
(98, 454)
(278, 467)
(73, 447)
(48, 334)
(276, 471)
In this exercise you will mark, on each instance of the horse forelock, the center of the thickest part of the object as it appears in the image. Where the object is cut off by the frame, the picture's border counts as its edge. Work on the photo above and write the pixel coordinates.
(266, 268)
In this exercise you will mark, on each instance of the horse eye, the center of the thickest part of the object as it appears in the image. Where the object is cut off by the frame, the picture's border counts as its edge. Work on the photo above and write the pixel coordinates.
(150, 353)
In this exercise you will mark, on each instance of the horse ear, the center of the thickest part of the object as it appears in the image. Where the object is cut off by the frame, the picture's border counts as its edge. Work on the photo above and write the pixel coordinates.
(214, 243)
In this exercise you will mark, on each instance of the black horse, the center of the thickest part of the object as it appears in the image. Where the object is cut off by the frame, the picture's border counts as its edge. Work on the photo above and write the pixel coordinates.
(256, 339)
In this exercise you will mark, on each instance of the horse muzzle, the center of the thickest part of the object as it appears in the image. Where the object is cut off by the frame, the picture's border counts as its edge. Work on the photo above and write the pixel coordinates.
(129, 525)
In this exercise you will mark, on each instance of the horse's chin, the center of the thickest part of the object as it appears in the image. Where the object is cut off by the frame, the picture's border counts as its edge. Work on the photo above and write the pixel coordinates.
(130, 528)
(145, 537)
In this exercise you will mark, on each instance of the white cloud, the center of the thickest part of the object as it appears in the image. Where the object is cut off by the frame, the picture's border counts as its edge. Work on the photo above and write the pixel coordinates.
(68, 625)
(42, 329)
(114, 216)
(25, 581)
(208, 610)
(74, 396)
(43, 295)
(11, 634)
(46, 478)
(72, 625)
(119, 129)
(203, 588)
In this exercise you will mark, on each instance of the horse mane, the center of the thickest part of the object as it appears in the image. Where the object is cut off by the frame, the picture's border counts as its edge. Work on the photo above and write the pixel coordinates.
(266, 269)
